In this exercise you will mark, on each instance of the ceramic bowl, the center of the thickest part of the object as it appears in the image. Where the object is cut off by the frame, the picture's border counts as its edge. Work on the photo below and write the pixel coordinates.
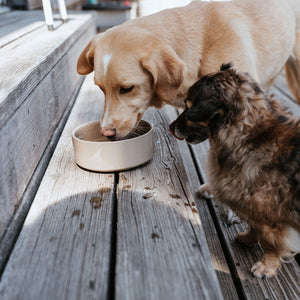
(97, 153)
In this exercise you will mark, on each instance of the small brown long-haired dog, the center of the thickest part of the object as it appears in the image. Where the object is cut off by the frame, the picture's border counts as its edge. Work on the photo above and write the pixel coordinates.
(253, 161)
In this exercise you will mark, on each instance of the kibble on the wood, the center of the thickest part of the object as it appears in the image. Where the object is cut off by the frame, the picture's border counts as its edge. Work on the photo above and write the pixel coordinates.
(96, 202)
(76, 213)
(147, 195)
(155, 235)
(92, 285)
(175, 196)
(104, 190)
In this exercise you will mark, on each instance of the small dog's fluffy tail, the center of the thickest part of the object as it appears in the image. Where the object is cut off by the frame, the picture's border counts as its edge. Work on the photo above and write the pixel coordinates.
(292, 67)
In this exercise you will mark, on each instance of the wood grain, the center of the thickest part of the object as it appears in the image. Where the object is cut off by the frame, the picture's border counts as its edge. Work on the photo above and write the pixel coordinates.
(16, 24)
(161, 247)
(31, 57)
(63, 249)
(25, 135)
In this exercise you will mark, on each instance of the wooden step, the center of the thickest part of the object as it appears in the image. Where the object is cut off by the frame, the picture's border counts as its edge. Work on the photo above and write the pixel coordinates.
(38, 85)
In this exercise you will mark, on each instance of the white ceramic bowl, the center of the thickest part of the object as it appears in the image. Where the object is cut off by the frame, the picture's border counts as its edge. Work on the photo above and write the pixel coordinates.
(108, 156)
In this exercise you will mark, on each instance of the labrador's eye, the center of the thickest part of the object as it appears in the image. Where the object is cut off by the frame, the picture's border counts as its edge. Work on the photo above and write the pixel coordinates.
(126, 90)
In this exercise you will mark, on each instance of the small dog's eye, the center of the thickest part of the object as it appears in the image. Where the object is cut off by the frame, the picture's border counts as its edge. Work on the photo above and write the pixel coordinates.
(185, 103)
(126, 90)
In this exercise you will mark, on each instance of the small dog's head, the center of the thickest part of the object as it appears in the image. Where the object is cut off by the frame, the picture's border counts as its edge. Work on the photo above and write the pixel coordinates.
(135, 70)
(215, 100)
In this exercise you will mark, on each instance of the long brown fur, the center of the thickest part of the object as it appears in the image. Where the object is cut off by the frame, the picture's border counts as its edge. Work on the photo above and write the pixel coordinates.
(253, 161)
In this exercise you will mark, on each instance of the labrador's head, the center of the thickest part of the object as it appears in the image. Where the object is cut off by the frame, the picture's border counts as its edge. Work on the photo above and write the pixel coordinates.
(135, 70)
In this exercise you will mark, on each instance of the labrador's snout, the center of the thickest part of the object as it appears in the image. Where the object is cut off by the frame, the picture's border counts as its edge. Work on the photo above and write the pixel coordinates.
(108, 130)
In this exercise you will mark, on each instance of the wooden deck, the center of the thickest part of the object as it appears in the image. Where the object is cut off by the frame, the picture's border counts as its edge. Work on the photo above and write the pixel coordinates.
(139, 234)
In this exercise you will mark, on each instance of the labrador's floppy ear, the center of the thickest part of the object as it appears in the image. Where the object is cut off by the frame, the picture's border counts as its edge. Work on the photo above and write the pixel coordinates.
(85, 63)
(167, 71)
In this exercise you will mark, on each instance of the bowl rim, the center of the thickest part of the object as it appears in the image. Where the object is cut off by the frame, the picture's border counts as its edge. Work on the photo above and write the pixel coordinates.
(110, 142)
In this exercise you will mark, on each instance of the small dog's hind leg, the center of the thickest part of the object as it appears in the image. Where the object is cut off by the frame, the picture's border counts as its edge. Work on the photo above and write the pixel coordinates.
(271, 244)
(248, 238)
(267, 266)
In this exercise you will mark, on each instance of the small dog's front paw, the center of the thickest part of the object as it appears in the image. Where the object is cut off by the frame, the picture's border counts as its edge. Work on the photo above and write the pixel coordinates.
(265, 269)
(232, 218)
(204, 192)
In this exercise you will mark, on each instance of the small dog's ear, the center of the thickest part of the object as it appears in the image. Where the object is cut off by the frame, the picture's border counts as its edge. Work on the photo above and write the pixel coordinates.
(85, 63)
(167, 71)
(226, 66)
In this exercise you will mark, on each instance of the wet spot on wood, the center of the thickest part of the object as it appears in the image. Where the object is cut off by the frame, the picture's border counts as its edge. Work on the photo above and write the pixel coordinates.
(104, 190)
(81, 226)
(147, 195)
(154, 236)
(53, 238)
(92, 284)
(175, 196)
(194, 210)
(76, 213)
(96, 202)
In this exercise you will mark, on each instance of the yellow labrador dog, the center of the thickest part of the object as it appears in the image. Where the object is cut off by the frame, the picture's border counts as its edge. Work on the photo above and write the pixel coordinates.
(153, 60)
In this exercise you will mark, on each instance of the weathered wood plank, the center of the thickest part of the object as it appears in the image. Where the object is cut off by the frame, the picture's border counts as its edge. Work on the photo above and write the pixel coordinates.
(27, 132)
(215, 248)
(16, 24)
(161, 248)
(63, 249)
(29, 59)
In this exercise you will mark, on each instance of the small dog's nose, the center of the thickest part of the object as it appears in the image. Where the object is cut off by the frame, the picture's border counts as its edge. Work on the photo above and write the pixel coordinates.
(108, 130)
(172, 127)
